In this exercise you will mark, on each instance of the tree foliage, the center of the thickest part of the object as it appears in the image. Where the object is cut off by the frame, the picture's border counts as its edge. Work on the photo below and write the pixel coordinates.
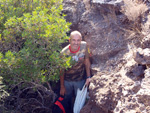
(31, 34)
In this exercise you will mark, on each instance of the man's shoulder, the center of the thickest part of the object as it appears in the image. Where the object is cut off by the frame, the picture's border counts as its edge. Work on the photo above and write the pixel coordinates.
(83, 44)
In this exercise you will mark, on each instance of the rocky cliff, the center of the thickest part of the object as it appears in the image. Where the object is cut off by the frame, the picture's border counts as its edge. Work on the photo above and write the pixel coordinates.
(117, 33)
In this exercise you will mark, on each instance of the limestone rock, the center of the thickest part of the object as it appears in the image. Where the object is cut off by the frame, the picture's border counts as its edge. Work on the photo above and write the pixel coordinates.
(113, 2)
(146, 42)
(120, 81)
(143, 56)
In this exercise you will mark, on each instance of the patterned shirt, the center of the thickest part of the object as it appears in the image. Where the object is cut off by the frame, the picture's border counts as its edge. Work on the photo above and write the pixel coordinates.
(76, 72)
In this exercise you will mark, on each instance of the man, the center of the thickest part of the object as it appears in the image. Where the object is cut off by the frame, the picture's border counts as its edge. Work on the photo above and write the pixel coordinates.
(73, 78)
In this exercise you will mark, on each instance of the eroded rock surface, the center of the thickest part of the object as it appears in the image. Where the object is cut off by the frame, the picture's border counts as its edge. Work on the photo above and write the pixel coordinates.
(121, 80)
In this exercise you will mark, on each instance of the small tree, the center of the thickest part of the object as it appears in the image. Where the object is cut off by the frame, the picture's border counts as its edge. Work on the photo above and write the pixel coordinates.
(31, 32)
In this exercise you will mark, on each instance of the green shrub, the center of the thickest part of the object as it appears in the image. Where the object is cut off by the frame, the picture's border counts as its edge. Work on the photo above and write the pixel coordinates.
(31, 33)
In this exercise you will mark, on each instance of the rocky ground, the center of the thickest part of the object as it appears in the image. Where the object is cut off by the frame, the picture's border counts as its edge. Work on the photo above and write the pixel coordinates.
(117, 33)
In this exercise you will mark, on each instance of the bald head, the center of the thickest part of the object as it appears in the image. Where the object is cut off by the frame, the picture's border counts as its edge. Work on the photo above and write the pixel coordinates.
(73, 33)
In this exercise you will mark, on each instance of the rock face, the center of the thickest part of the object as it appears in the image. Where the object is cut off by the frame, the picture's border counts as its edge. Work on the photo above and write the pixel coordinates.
(112, 2)
(120, 53)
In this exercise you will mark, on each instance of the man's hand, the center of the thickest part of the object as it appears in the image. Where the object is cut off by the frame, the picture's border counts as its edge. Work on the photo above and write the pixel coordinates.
(62, 90)
(88, 80)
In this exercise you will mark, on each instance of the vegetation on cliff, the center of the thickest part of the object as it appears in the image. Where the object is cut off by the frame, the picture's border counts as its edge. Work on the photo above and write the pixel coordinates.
(31, 34)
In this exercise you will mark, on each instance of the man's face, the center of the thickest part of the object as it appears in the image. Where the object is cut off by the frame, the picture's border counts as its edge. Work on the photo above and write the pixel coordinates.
(75, 42)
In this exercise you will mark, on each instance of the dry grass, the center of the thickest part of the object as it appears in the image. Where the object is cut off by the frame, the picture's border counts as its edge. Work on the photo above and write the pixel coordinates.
(133, 9)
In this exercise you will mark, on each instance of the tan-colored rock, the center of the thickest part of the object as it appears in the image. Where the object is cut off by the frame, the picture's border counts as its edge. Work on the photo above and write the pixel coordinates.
(120, 81)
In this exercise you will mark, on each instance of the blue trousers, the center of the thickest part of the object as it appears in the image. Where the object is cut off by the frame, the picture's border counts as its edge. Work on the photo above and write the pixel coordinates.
(71, 91)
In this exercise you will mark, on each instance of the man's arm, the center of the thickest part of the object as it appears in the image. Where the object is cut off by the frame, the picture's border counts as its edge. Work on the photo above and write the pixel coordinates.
(87, 67)
(62, 87)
